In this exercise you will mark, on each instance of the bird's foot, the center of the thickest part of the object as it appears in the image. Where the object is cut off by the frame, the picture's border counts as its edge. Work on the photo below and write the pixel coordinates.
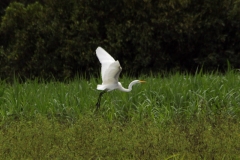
(97, 106)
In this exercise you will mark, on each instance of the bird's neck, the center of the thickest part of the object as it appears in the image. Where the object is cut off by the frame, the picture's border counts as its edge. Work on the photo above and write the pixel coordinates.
(126, 89)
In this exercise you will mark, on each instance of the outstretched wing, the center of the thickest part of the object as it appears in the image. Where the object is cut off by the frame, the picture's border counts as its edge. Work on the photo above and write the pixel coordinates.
(112, 73)
(111, 69)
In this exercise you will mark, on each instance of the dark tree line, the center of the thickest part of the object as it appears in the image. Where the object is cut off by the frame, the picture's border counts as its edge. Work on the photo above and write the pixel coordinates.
(58, 38)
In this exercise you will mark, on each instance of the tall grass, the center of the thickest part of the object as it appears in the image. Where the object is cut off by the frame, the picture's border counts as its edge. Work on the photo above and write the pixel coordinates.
(176, 116)
(173, 97)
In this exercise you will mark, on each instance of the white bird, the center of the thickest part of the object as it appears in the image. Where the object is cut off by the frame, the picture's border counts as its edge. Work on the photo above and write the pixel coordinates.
(110, 72)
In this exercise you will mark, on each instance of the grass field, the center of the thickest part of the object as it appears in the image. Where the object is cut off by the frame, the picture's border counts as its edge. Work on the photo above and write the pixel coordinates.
(177, 116)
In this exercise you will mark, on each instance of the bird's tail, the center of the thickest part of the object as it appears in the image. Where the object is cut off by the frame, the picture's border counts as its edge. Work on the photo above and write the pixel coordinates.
(100, 87)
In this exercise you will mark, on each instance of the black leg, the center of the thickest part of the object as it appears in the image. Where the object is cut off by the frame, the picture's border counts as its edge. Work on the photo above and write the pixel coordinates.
(99, 99)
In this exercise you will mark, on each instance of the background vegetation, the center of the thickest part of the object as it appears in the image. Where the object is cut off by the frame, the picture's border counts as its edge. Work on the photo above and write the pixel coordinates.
(171, 117)
(58, 38)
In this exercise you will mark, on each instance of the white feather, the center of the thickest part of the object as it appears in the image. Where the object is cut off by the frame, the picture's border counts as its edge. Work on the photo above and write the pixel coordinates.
(110, 69)
(110, 72)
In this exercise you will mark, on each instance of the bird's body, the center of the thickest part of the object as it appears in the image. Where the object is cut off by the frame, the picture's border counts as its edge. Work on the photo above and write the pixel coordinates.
(110, 72)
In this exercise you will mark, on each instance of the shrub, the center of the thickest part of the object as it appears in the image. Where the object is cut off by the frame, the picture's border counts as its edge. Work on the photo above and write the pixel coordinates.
(59, 38)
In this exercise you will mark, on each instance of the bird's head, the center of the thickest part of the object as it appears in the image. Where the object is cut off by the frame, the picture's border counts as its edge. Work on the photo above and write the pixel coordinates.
(139, 81)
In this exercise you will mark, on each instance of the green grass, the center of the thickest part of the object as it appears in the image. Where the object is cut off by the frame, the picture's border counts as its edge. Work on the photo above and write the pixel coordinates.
(177, 116)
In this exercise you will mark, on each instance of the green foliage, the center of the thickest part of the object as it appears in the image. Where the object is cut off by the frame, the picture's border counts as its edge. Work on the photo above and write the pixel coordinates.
(172, 98)
(177, 116)
(58, 38)
(92, 137)
(44, 41)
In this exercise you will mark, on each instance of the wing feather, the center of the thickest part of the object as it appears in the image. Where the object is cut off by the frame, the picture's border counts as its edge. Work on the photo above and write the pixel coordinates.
(110, 69)
(105, 59)
(112, 73)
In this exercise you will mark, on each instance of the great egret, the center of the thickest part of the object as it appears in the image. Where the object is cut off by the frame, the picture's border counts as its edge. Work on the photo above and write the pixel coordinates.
(110, 72)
